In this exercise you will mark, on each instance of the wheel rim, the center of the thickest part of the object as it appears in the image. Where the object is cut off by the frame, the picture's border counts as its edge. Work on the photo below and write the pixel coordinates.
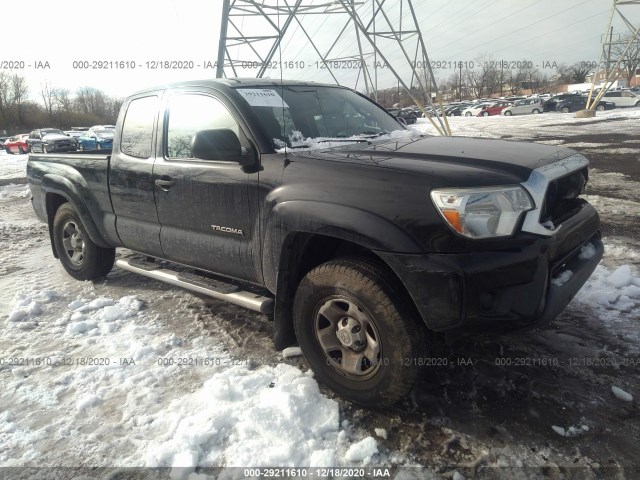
(73, 242)
(600, 107)
(348, 338)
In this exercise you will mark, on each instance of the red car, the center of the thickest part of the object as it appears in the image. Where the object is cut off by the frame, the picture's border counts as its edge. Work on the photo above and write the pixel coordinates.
(17, 144)
(494, 109)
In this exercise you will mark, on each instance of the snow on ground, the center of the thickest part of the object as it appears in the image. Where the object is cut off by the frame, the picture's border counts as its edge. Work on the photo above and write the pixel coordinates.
(101, 368)
(12, 166)
(526, 126)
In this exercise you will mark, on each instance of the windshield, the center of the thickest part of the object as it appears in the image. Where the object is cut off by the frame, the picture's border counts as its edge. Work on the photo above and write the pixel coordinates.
(49, 132)
(293, 113)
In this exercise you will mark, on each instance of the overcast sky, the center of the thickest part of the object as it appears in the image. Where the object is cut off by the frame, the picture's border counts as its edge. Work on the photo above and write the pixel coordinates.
(541, 31)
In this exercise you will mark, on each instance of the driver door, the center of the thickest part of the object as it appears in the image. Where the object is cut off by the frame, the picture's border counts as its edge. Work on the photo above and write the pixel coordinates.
(204, 206)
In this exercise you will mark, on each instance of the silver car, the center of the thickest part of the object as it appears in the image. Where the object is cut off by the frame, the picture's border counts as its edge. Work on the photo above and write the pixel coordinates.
(524, 107)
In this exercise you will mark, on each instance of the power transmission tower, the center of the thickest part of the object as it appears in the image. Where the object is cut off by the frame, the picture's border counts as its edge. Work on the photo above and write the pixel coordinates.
(370, 39)
(615, 49)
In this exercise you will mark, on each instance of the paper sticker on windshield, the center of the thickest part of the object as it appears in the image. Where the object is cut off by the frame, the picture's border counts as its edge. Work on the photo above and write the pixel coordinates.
(259, 97)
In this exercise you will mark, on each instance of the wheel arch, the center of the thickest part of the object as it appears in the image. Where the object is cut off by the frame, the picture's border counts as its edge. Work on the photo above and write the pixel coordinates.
(59, 190)
(301, 253)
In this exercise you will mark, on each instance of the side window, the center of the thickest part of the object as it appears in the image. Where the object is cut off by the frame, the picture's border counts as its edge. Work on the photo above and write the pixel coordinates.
(190, 113)
(137, 131)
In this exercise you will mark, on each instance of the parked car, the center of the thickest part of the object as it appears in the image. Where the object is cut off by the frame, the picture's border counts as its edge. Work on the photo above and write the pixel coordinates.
(524, 107)
(74, 133)
(622, 98)
(493, 109)
(2, 140)
(579, 102)
(473, 110)
(49, 140)
(17, 144)
(550, 104)
(360, 252)
(406, 115)
(97, 138)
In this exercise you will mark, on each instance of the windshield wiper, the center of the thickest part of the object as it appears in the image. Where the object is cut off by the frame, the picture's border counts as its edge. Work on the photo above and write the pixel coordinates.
(344, 140)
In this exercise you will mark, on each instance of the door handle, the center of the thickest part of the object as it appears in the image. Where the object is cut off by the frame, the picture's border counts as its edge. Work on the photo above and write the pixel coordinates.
(164, 184)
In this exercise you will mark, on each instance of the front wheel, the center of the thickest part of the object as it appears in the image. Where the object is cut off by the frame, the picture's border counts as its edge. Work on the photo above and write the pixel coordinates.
(600, 108)
(79, 255)
(536, 111)
(508, 113)
(355, 332)
(565, 110)
(21, 150)
(468, 114)
(485, 114)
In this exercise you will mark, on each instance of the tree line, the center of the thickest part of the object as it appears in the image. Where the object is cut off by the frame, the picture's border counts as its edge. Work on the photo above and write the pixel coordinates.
(22, 110)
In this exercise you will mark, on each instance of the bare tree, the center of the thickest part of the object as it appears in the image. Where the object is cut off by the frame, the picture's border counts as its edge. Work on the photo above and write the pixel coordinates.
(48, 93)
(579, 73)
(62, 99)
(19, 94)
(482, 81)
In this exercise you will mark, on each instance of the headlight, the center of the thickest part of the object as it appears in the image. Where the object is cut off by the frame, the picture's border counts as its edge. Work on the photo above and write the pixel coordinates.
(482, 212)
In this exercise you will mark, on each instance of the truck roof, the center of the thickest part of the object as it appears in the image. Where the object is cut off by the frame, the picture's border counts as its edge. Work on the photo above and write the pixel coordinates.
(234, 82)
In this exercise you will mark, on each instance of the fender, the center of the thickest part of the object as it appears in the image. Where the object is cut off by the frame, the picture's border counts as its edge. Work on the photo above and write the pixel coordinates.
(53, 183)
(361, 227)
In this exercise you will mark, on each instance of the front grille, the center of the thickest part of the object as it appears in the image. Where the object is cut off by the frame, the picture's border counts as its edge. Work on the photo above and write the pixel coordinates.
(63, 144)
(561, 198)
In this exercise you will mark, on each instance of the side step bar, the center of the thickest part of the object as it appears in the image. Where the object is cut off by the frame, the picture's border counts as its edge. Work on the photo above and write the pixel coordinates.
(212, 288)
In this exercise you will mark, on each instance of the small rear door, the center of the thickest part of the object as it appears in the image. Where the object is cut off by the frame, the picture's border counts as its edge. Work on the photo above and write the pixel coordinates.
(130, 175)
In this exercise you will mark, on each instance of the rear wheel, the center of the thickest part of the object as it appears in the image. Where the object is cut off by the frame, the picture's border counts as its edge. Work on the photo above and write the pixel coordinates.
(508, 113)
(638, 103)
(21, 150)
(535, 111)
(355, 332)
(79, 255)
(600, 108)
(98, 146)
(468, 114)
(565, 109)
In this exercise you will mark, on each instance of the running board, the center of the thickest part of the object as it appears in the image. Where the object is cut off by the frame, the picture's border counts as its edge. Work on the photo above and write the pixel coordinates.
(212, 288)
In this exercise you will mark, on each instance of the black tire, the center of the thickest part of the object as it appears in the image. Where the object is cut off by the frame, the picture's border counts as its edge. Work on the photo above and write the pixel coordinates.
(352, 293)
(565, 109)
(80, 257)
(508, 113)
(535, 111)
(600, 108)
(485, 114)
(467, 114)
(8, 150)
(21, 150)
(638, 103)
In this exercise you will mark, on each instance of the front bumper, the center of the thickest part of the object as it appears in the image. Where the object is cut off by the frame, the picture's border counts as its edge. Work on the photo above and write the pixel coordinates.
(502, 290)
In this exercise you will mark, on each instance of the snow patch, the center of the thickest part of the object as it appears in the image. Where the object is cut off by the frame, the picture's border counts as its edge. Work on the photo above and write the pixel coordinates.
(362, 451)
(621, 394)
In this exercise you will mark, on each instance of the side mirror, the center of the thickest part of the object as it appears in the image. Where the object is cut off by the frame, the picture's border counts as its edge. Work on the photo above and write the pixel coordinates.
(219, 144)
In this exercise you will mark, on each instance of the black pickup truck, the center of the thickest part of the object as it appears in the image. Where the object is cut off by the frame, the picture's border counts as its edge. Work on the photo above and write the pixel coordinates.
(311, 203)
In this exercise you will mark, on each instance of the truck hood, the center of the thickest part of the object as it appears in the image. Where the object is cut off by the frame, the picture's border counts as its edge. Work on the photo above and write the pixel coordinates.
(436, 155)
(54, 137)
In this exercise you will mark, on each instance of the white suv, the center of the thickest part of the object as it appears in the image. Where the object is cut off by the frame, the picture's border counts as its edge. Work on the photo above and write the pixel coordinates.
(623, 98)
